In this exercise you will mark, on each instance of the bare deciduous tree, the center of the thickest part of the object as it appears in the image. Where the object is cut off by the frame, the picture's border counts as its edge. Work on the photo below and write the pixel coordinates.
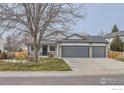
(102, 33)
(12, 42)
(36, 19)
(83, 33)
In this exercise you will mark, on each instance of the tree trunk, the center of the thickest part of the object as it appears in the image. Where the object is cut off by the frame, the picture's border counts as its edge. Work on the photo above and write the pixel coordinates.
(35, 54)
(35, 49)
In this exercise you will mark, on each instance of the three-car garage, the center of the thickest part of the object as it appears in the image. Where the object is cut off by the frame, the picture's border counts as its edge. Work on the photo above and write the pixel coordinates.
(83, 51)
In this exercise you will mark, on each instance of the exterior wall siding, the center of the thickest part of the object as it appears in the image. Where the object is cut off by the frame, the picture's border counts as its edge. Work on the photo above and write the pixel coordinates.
(75, 44)
(98, 44)
(60, 51)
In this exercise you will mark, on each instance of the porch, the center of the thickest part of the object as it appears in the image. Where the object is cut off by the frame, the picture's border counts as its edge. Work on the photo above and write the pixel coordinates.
(45, 50)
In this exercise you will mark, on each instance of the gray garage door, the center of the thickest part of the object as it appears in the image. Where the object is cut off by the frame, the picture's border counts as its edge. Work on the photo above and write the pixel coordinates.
(75, 51)
(98, 52)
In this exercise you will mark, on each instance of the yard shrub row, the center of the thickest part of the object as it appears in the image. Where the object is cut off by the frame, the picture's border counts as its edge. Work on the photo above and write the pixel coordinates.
(9, 55)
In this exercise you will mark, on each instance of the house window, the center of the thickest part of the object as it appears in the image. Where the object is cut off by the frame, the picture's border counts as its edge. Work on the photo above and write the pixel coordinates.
(52, 48)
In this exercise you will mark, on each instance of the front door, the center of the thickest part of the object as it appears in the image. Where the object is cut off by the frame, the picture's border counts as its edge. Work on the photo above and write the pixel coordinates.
(44, 50)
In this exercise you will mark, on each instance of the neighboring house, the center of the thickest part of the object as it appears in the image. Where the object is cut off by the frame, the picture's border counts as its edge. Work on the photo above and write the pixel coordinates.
(109, 37)
(1, 44)
(73, 46)
(12, 47)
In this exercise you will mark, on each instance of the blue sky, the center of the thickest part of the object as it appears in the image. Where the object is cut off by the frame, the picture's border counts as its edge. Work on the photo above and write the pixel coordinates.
(101, 17)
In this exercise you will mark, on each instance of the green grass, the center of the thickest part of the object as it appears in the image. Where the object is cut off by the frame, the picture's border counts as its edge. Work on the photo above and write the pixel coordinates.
(51, 64)
(120, 59)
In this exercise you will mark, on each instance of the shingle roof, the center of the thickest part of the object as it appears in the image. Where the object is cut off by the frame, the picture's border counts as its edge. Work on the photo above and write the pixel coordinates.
(88, 39)
(96, 39)
(111, 35)
(85, 39)
(75, 34)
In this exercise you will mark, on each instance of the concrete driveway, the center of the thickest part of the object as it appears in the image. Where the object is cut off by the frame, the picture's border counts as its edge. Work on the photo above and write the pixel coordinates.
(95, 65)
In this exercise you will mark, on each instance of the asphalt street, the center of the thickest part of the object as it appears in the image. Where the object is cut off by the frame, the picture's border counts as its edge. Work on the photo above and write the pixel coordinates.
(64, 80)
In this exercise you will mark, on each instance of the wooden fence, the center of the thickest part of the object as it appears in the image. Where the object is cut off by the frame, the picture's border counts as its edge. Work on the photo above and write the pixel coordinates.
(115, 54)
(22, 54)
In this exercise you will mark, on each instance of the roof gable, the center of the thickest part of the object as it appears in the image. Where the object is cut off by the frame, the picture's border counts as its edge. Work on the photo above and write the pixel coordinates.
(74, 36)
(55, 35)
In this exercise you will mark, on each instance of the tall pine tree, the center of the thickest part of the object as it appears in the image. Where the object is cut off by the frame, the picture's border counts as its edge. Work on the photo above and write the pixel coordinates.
(115, 29)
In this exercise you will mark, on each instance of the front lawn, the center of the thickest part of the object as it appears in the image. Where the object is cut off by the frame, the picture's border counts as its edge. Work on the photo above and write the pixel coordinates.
(50, 64)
